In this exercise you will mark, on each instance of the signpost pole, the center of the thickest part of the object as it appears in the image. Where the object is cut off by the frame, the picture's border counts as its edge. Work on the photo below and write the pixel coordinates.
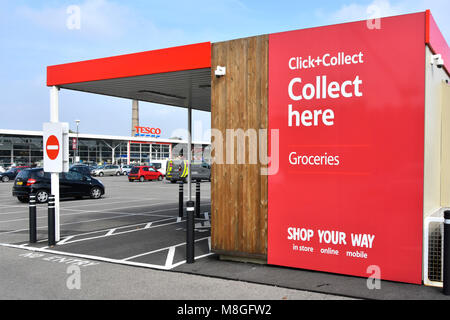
(189, 151)
(190, 236)
(190, 231)
(197, 200)
(32, 214)
(54, 118)
(51, 221)
(180, 199)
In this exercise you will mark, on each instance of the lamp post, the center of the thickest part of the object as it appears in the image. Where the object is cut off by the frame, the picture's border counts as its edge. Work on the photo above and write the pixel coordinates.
(76, 151)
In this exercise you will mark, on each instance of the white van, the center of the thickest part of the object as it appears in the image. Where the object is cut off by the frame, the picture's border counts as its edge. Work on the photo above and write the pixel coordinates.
(159, 165)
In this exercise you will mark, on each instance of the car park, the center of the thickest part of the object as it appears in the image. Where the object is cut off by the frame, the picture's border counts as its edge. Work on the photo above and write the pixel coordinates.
(107, 170)
(143, 173)
(72, 184)
(11, 174)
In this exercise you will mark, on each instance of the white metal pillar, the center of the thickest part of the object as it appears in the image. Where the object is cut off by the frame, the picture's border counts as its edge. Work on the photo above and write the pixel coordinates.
(189, 155)
(128, 152)
(54, 118)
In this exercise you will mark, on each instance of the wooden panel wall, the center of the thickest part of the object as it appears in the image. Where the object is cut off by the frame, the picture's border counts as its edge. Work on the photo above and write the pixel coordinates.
(239, 100)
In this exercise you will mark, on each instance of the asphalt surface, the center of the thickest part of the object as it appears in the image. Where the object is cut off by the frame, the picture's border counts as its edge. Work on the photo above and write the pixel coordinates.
(133, 230)
(134, 223)
(41, 276)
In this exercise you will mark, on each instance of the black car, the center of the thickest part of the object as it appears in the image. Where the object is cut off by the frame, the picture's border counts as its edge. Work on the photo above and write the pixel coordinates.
(71, 184)
(81, 168)
(11, 174)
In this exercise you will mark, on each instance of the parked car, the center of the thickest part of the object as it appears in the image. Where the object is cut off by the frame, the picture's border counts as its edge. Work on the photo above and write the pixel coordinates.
(11, 173)
(126, 169)
(177, 170)
(2, 169)
(107, 170)
(72, 184)
(143, 173)
(81, 168)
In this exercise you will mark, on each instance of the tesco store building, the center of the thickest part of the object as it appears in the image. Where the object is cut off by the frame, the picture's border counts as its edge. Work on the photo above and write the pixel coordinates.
(354, 118)
(25, 148)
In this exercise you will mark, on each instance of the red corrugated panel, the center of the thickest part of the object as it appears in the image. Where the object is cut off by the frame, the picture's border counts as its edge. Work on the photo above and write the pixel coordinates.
(195, 56)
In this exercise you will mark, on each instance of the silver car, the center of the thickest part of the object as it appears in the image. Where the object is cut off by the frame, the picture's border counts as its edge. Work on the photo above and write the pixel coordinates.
(126, 169)
(107, 170)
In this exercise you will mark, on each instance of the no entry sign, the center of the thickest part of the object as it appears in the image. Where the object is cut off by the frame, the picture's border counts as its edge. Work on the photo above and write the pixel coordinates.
(56, 145)
(52, 147)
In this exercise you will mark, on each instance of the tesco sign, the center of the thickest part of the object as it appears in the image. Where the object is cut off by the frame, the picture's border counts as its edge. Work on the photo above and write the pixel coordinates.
(147, 132)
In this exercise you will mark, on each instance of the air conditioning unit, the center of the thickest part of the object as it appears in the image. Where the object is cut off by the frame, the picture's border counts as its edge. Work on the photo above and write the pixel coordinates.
(433, 249)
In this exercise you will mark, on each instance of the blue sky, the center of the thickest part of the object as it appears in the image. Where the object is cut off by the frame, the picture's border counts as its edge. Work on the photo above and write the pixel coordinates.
(34, 35)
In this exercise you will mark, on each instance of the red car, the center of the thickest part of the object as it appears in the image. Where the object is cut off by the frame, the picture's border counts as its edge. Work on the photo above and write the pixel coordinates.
(143, 173)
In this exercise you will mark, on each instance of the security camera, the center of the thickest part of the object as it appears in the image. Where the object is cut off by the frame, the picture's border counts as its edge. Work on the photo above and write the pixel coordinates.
(220, 71)
(437, 60)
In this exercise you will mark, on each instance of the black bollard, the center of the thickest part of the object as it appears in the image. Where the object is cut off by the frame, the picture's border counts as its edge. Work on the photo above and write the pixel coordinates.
(32, 218)
(197, 200)
(446, 257)
(180, 200)
(190, 232)
(51, 221)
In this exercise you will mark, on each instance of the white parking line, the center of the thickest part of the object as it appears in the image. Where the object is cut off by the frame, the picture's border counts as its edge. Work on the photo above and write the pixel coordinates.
(158, 250)
(15, 212)
(64, 240)
(110, 232)
(84, 256)
(66, 224)
(120, 208)
(92, 202)
(97, 258)
(170, 256)
(123, 232)
(99, 202)
(12, 206)
(146, 213)
(86, 211)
